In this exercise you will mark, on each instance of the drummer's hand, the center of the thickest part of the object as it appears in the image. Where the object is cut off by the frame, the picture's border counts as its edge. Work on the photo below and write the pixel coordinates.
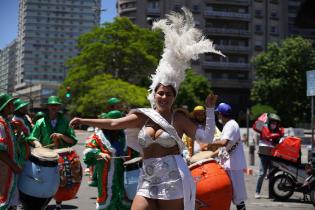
(75, 122)
(212, 147)
(188, 160)
(56, 137)
(105, 156)
(211, 100)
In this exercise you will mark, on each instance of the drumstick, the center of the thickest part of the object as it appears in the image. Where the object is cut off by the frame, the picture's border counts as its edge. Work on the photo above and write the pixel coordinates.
(49, 145)
(114, 157)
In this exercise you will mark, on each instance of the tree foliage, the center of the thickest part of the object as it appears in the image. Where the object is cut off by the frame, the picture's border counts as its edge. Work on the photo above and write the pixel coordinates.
(193, 91)
(99, 89)
(259, 109)
(121, 48)
(281, 78)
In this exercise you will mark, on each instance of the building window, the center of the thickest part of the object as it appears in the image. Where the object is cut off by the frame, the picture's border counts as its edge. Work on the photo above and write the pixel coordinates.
(258, 13)
(274, 15)
(196, 23)
(195, 8)
(177, 7)
(274, 30)
(258, 46)
(153, 5)
(216, 75)
(258, 29)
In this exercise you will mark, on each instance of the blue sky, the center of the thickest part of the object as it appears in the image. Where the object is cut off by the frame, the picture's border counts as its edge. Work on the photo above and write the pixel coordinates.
(9, 18)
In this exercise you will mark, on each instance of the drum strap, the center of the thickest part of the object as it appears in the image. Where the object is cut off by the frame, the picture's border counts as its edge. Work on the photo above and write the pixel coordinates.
(225, 154)
(233, 147)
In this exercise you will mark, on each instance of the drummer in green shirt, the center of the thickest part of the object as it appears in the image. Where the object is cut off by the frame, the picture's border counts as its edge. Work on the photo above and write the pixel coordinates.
(54, 128)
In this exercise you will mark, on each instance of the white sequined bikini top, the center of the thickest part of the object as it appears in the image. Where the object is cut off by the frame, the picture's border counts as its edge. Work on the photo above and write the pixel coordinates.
(164, 139)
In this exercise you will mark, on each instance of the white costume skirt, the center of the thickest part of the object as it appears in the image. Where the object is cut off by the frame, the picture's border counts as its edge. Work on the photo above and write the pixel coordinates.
(160, 179)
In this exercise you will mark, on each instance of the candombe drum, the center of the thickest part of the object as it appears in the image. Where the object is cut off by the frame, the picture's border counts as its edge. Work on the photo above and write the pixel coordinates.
(70, 170)
(213, 185)
(131, 176)
(39, 180)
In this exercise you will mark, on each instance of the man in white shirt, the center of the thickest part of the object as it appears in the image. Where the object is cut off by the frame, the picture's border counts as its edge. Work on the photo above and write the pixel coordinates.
(231, 154)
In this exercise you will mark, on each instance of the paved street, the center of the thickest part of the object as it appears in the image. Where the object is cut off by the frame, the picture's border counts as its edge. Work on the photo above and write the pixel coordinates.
(87, 195)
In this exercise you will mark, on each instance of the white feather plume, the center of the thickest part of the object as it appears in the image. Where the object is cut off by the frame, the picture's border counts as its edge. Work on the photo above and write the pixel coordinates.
(182, 44)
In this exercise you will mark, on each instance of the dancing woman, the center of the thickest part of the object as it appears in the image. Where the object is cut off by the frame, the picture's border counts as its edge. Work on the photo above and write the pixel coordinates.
(165, 181)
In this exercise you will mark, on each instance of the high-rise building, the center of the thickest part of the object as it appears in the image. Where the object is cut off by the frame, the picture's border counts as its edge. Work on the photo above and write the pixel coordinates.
(8, 67)
(47, 35)
(241, 29)
(301, 19)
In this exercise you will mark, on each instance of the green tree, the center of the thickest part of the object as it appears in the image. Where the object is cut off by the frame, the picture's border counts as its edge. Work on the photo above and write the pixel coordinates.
(193, 91)
(102, 87)
(281, 78)
(121, 48)
(259, 109)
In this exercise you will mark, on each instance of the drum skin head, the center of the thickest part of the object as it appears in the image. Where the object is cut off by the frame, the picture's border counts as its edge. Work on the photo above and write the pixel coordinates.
(64, 150)
(45, 154)
(201, 162)
(201, 156)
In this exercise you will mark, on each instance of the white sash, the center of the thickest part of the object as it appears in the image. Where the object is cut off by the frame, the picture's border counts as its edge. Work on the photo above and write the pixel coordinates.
(161, 121)
(189, 187)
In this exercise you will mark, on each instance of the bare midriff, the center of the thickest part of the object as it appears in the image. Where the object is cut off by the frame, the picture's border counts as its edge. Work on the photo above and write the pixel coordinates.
(156, 151)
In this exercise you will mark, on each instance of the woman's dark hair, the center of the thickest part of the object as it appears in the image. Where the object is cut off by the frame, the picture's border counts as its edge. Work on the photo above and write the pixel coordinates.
(173, 89)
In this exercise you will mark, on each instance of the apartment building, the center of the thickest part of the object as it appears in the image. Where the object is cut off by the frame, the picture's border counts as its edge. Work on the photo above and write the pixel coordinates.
(47, 38)
(8, 67)
(241, 29)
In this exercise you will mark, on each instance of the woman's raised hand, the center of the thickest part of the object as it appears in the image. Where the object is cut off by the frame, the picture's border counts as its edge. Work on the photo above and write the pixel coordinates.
(75, 122)
(211, 100)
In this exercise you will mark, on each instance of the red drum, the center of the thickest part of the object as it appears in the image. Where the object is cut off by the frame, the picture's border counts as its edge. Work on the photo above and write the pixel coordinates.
(70, 170)
(214, 188)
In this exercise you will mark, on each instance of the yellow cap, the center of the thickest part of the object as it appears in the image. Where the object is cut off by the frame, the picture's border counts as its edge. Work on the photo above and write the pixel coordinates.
(199, 108)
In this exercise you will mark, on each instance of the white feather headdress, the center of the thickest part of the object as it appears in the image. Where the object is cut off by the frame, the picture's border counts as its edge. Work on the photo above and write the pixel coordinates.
(182, 43)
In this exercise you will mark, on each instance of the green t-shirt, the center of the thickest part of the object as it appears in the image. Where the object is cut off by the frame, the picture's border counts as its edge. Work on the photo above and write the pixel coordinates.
(43, 129)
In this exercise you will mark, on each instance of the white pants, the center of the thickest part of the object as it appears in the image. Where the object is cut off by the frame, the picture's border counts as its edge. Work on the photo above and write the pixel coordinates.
(238, 183)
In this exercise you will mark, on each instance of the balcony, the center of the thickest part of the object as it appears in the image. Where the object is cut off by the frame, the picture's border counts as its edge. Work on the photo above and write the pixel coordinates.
(226, 65)
(232, 2)
(232, 15)
(127, 9)
(153, 11)
(230, 83)
(233, 48)
(127, 1)
(228, 31)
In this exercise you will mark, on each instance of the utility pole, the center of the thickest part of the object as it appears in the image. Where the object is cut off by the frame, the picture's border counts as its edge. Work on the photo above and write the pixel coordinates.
(251, 144)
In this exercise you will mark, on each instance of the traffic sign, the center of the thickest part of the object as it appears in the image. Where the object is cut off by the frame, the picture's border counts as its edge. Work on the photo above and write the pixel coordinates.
(310, 83)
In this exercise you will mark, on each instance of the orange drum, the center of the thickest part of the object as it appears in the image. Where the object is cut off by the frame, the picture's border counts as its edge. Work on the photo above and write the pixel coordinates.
(70, 170)
(214, 188)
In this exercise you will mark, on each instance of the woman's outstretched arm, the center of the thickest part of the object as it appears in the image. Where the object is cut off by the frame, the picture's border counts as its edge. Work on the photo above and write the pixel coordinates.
(134, 120)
